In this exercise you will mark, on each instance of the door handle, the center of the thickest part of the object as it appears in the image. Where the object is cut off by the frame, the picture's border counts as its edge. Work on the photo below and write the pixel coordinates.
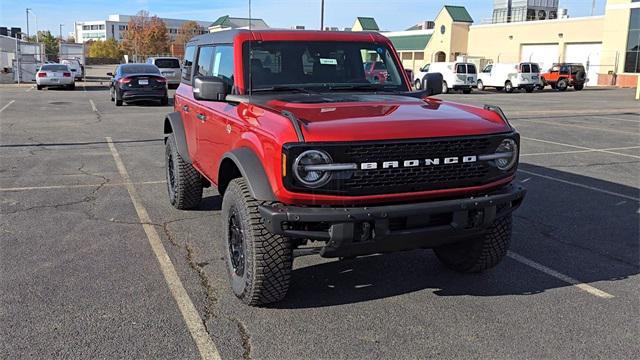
(202, 117)
(185, 108)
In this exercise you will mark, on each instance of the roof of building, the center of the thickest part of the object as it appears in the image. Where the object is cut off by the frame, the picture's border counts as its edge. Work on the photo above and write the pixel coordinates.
(458, 13)
(227, 21)
(368, 23)
(410, 42)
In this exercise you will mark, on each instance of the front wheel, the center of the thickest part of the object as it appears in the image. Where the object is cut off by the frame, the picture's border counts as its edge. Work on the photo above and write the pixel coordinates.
(480, 85)
(479, 254)
(508, 87)
(445, 87)
(184, 183)
(258, 262)
(418, 85)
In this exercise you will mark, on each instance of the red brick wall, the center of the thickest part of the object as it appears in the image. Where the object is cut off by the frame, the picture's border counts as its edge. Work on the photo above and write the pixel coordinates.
(621, 80)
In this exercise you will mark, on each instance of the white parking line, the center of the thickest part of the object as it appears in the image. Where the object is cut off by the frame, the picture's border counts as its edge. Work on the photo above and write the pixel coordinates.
(580, 151)
(6, 106)
(29, 89)
(584, 148)
(552, 123)
(192, 319)
(615, 118)
(93, 106)
(580, 185)
(580, 285)
(51, 187)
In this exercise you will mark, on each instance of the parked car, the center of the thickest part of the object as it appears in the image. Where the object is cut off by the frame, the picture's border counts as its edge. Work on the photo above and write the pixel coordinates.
(169, 68)
(564, 75)
(457, 76)
(510, 76)
(310, 157)
(376, 71)
(75, 66)
(55, 75)
(138, 82)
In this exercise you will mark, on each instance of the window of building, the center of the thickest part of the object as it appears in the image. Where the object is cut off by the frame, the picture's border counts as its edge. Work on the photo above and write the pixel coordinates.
(418, 55)
(406, 56)
(86, 27)
(632, 56)
(100, 27)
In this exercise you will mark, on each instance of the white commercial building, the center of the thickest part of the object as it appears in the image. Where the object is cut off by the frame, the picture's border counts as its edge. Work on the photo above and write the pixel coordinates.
(115, 25)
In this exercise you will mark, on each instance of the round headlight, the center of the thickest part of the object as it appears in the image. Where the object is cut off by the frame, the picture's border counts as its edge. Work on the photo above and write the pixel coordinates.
(312, 178)
(508, 154)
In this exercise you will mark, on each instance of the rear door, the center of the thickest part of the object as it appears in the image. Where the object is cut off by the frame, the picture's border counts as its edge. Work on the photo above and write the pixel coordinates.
(215, 121)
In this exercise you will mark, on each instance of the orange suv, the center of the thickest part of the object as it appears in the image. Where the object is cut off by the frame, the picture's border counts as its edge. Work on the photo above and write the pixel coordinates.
(563, 75)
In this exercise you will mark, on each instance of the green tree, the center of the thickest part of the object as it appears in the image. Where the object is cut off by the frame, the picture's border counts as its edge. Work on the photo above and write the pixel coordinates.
(105, 49)
(50, 43)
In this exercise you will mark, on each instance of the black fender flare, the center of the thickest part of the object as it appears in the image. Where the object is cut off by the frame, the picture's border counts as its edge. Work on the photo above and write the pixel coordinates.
(251, 169)
(173, 124)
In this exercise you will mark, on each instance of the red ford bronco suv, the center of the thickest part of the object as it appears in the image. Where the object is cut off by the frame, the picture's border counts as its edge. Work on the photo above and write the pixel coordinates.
(311, 157)
(562, 76)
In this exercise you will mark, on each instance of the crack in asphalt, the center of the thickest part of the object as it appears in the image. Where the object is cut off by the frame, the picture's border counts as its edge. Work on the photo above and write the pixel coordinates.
(245, 338)
(210, 300)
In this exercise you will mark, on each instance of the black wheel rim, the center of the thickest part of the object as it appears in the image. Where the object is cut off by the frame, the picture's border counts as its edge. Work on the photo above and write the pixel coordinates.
(236, 244)
(171, 177)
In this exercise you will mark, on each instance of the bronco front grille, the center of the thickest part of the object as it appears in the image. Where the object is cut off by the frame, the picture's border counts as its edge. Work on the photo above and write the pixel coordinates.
(405, 179)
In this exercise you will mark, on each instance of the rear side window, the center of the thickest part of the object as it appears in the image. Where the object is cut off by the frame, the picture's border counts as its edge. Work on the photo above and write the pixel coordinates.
(525, 68)
(461, 68)
(189, 56)
(535, 68)
(168, 63)
(471, 69)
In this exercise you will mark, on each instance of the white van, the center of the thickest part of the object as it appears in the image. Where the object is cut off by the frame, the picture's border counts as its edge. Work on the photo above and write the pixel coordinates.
(510, 76)
(455, 76)
(75, 66)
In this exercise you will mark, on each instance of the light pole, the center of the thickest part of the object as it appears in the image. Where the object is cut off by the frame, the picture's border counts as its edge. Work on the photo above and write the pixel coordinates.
(321, 15)
(61, 25)
(36, 17)
(27, 12)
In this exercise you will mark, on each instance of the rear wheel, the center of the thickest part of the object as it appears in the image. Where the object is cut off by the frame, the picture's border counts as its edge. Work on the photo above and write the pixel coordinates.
(258, 262)
(184, 183)
(508, 87)
(418, 85)
(39, 87)
(529, 89)
(578, 87)
(72, 86)
(562, 84)
(164, 101)
(478, 254)
(445, 87)
(480, 85)
(466, 91)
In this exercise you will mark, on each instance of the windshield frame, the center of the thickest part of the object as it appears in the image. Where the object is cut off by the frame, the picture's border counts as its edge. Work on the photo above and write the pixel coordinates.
(325, 87)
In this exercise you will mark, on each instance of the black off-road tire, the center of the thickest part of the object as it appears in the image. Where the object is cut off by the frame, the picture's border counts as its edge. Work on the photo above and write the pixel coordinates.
(562, 84)
(267, 258)
(578, 87)
(480, 254)
(184, 183)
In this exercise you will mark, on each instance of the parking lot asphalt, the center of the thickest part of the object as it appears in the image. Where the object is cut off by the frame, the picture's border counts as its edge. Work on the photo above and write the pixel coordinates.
(79, 276)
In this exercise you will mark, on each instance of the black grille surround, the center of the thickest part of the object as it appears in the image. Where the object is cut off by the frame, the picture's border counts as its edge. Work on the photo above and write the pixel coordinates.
(403, 179)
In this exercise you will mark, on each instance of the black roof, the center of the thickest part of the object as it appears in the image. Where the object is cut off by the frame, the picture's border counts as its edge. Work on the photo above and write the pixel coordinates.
(218, 37)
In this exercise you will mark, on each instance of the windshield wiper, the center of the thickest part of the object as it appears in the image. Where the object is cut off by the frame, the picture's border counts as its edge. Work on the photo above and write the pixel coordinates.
(383, 88)
(283, 88)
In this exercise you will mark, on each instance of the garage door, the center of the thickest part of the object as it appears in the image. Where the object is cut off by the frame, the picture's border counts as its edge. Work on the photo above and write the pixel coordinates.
(588, 54)
(543, 54)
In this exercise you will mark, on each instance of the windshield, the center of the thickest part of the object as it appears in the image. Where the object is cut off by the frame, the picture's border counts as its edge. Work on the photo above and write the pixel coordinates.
(168, 63)
(55, 68)
(140, 69)
(330, 65)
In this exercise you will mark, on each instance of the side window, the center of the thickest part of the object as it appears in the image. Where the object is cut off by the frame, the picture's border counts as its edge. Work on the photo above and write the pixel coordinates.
(535, 68)
(189, 56)
(204, 66)
(564, 69)
(471, 69)
(487, 69)
(223, 64)
(461, 69)
(525, 68)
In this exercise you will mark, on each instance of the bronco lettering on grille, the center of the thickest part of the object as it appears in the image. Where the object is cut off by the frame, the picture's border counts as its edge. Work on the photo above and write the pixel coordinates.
(416, 162)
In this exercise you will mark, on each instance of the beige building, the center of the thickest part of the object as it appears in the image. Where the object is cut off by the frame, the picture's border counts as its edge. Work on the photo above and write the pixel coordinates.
(607, 45)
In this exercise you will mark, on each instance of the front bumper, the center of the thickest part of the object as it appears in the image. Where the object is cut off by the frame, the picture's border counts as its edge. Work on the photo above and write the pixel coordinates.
(369, 230)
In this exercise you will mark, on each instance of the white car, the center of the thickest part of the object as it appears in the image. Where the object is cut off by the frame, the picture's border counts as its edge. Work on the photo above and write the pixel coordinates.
(455, 76)
(55, 75)
(510, 76)
(169, 68)
(75, 67)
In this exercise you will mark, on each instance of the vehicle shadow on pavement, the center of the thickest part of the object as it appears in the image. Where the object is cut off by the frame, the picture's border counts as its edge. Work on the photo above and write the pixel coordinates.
(589, 235)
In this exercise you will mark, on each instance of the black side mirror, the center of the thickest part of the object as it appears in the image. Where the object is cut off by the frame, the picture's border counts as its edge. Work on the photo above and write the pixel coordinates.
(110, 74)
(210, 88)
(432, 83)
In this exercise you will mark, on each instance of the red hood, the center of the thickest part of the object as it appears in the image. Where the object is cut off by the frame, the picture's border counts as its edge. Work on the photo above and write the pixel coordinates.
(390, 117)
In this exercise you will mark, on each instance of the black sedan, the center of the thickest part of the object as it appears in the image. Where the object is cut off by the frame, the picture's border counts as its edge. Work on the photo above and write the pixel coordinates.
(138, 82)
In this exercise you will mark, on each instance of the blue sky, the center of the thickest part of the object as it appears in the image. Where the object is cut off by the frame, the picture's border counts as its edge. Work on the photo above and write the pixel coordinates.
(390, 14)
